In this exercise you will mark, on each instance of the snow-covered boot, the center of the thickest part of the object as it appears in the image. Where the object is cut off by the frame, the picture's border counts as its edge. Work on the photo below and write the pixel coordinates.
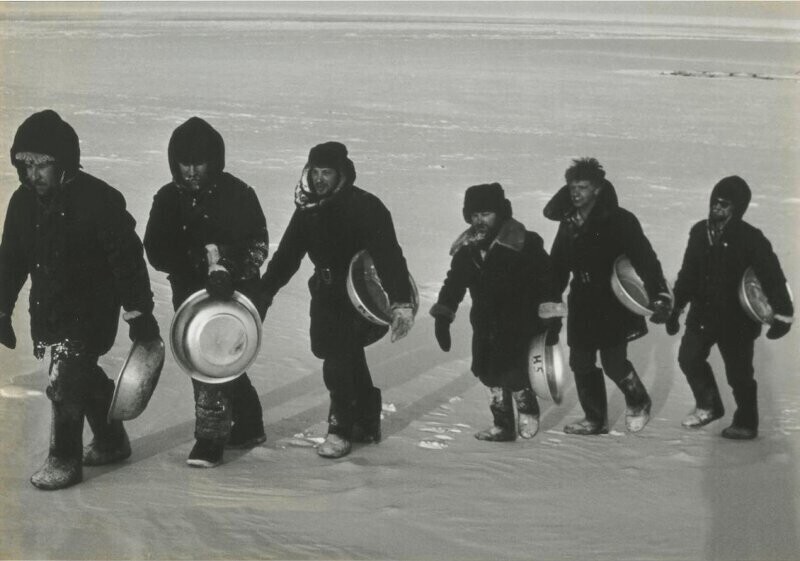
(212, 428)
(334, 446)
(528, 413)
(110, 443)
(591, 388)
(63, 466)
(739, 433)
(502, 409)
(700, 418)
(247, 429)
(367, 424)
(637, 401)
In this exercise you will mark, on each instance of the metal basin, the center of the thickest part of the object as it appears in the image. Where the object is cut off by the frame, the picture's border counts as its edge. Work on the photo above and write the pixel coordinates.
(137, 380)
(629, 288)
(753, 300)
(366, 291)
(215, 341)
(546, 369)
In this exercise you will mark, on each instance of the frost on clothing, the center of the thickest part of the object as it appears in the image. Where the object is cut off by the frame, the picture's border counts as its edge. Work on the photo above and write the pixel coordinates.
(596, 319)
(506, 288)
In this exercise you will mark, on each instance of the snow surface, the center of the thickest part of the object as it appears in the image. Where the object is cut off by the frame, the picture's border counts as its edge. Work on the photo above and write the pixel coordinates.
(427, 107)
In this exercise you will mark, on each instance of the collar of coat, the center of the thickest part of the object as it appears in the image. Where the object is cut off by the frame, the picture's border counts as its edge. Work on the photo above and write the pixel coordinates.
(511, 235)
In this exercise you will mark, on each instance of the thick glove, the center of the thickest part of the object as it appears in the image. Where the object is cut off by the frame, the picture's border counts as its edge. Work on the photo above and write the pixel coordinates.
(662, 308)
(553, 329)
(673, 323)
(402, 321)
(442, 331)
(143, 327)
(219, 284)
(7, 336)
(777, 330)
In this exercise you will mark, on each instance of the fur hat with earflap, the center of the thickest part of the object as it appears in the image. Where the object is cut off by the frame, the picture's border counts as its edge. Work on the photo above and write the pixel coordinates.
(332, 155)
(487, 197)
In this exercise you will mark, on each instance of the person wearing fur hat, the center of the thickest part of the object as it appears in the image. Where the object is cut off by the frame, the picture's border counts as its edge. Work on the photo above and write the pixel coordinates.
(71, 233)
(593, 231)
(508, 275)
(719, 251)
(333, 220)
(207, 230)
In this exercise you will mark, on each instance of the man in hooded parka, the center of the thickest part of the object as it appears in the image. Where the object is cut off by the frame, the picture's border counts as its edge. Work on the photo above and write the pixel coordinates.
(73, 235)
(594, 231)
(720, 250)
(207, 230)
(333, 220)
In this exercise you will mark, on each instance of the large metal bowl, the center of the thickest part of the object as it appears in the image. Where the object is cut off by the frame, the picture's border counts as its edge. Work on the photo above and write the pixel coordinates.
(753, 300)
(215, 341)
(546, 369)
(137, 380)
(366, 291)
(629, 288)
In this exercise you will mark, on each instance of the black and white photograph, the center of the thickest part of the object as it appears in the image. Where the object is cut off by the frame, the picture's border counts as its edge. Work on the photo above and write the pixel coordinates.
(387, 280)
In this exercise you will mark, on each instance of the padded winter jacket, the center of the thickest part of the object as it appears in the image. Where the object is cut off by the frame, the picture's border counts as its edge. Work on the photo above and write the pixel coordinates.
(596, 319)
(711, 275)
(331, 234)
(225, 213)
(506, 288)
(84, 258)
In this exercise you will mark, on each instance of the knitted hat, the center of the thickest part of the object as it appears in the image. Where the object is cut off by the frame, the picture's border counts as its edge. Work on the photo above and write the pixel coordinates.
(47, 134)
(487, 197)
(734, 189)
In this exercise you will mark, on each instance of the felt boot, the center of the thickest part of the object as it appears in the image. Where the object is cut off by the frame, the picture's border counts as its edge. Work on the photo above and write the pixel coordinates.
(367, 423)
(637, 401)
(591, 388)
(110, 443)
(63, 466)
(502, 408)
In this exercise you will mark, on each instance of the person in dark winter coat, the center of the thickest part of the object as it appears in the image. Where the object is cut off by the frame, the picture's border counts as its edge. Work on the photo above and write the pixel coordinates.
(508, 275)
(333, 220)
(72, 234)
(719, 251)
(207, 230)
(594, 231)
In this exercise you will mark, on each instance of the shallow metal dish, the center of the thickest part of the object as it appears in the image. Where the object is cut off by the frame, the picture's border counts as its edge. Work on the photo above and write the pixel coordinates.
(366, 291)
(215, 341)
(753, 300)
(629, 288)
(546, 369)
(137, 380)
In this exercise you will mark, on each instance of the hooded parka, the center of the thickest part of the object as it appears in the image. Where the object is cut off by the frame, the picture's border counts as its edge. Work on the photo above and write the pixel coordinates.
(225, 213)
(596, 319)
(712, 271)
(78, 244)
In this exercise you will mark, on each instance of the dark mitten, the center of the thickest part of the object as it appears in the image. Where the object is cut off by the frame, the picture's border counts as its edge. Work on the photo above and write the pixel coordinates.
(442, 328)
(778, 329)
(553, 327)
(143, 328)
(673, 323)
(662, 308)
(7, 336)
(220, 284)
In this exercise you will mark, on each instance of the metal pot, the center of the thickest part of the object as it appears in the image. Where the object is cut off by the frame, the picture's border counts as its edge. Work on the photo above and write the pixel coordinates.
(366, 291)
(546, 369)
(215, 341)
(629, 288)
(137, 380)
